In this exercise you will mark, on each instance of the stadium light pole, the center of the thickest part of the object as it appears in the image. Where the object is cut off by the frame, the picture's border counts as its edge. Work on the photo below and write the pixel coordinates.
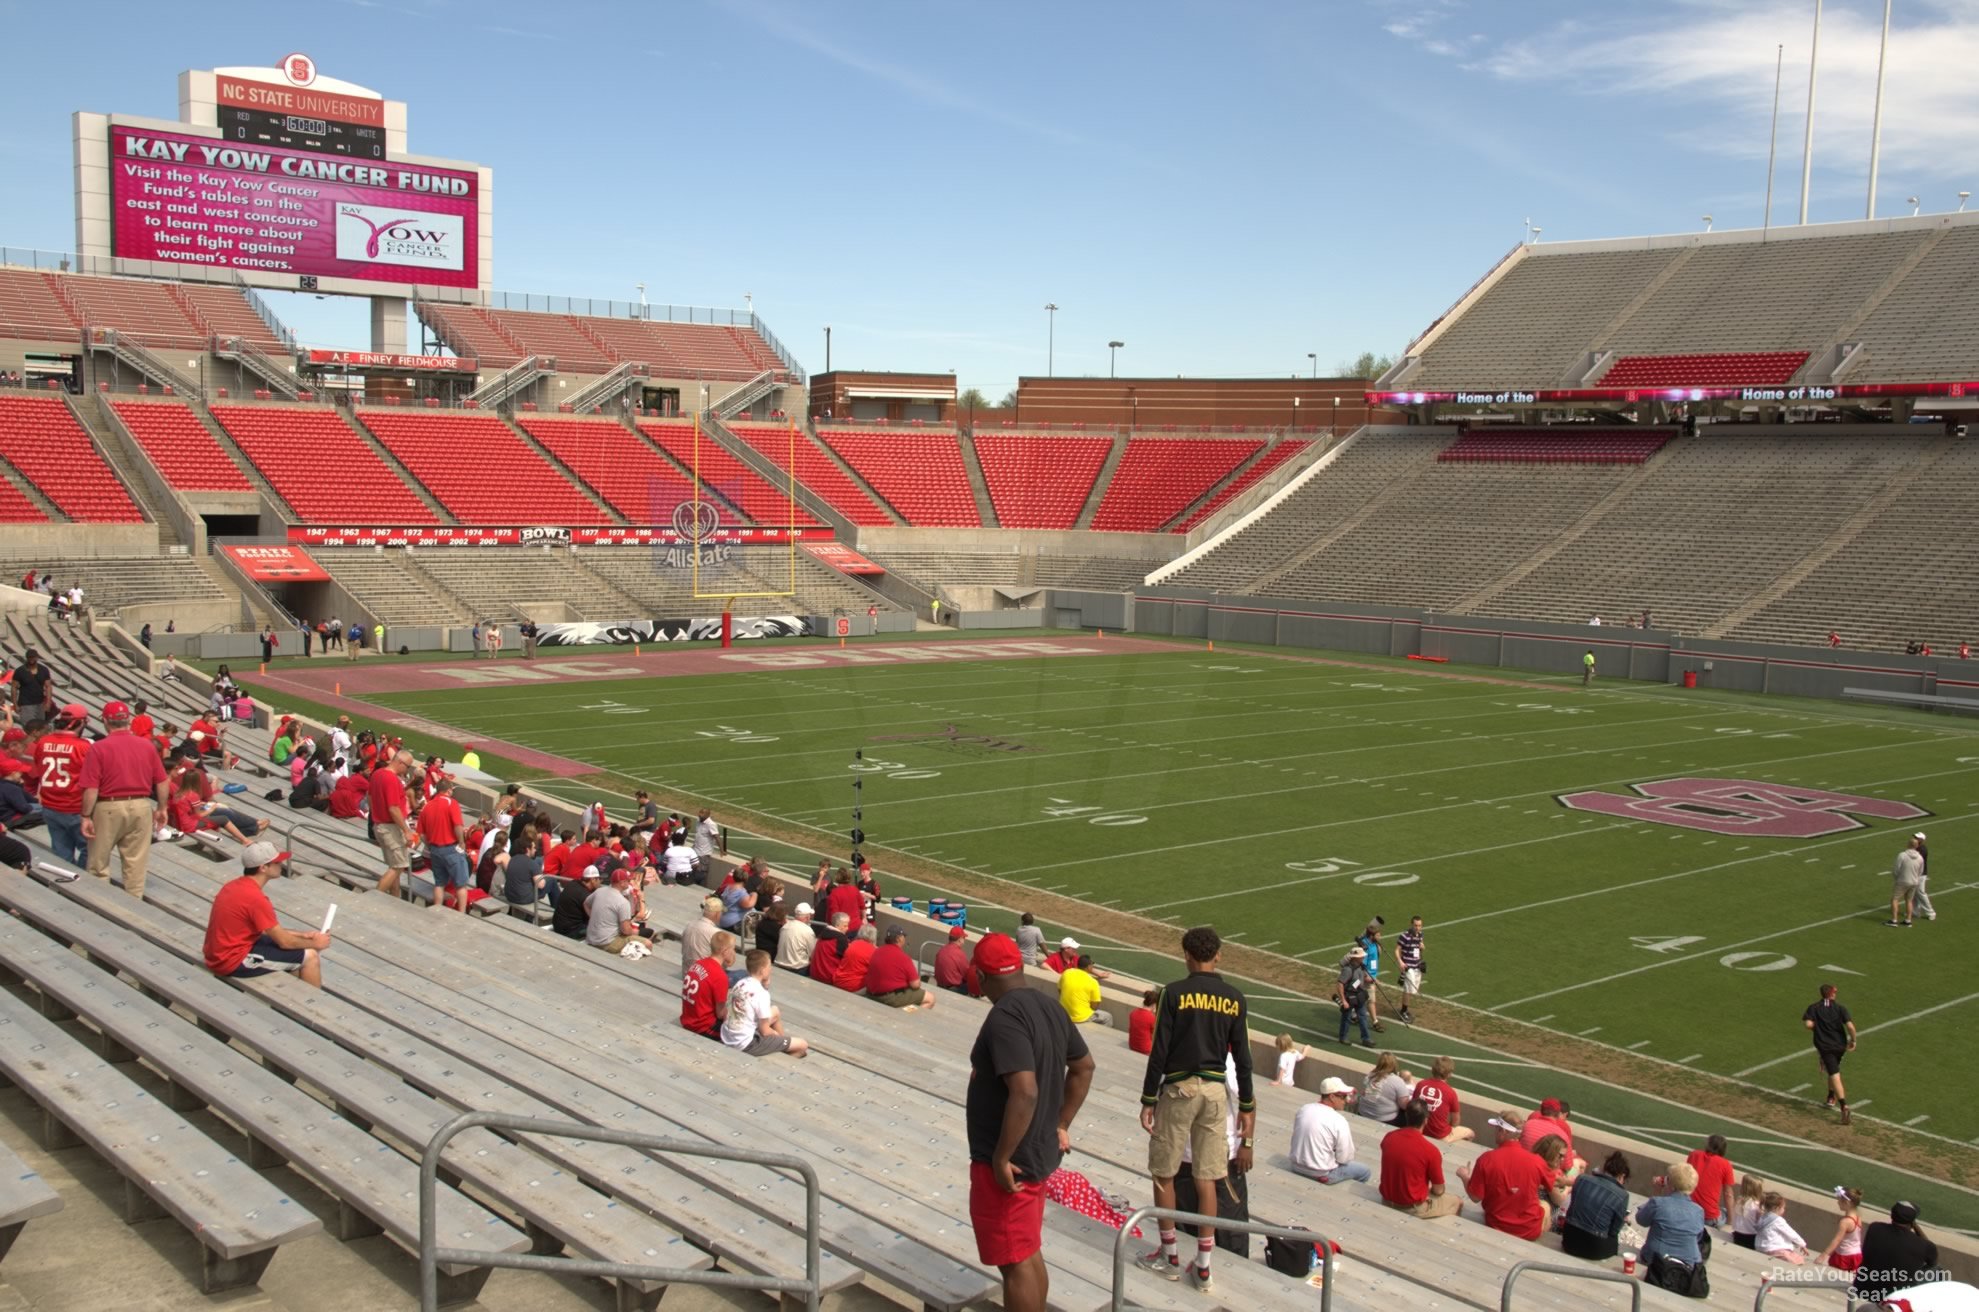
(1914, 206)
(1876, 121)
(1111, 347)
(1773, 136)
(827, 348)
(1314, 357)
(1707, 223)
(1963, 197)
(1050, 336)
(1807, 142)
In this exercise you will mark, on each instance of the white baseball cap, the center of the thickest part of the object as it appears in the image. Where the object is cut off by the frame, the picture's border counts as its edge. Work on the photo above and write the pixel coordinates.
(1919, 835)
(1333, 1084)
(1069, 942)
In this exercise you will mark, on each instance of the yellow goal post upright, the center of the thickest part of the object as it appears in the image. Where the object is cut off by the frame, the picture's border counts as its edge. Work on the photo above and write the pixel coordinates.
(729, 595)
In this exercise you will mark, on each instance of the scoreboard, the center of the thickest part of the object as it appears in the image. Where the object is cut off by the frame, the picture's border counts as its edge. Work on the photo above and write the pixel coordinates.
(259, 127)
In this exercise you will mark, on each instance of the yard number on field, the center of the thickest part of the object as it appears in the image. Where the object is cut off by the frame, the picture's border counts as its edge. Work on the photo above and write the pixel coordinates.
(1063, 808)
(613, 708)
(1337, 865)
(729, 733)
(891, 769)
(1731, 960)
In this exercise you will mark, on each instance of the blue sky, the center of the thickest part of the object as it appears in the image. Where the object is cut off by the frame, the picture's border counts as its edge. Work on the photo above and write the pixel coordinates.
(1224, 187)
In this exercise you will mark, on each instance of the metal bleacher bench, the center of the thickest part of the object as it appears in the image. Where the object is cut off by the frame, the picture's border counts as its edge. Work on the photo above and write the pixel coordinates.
(1923, 701)
(24, 1195)
(169, 1167)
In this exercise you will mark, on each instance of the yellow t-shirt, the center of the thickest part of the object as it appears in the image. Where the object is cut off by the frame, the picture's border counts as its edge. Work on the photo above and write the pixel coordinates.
(471, 760)
(1078, 993)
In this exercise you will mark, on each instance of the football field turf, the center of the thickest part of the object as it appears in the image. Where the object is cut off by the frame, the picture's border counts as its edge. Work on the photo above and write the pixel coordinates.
(1287, 801)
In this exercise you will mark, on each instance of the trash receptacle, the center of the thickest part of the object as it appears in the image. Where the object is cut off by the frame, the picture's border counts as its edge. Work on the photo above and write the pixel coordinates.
(1690, 678)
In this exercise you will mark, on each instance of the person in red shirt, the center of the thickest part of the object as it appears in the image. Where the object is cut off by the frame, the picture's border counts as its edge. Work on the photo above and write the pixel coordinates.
(857, 959)
(243, 937)
(704, 988)
(558, 852)
(1511, 1181)
(440, 825)
(1715, 1180)
(347, 798)
(1067, 957)
(1412, 1169)
(953, 969)
(1551, 1118)
(1140, 1024)
(390, 824)
(123, 799)
(189, 814)
(892, 976)
(1441, 1100)
(846, 900)
(825, 955)
(58, 759)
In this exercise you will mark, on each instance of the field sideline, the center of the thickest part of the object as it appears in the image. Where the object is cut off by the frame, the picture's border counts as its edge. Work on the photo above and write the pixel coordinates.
(1288, 800)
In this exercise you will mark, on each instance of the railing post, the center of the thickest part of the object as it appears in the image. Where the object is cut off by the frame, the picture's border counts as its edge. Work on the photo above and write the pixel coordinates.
(1294, 1233)
(1577, 1273)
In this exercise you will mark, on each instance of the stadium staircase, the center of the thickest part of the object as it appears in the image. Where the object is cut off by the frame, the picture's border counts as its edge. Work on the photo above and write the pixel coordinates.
(279, 376)
(550, 458)
(1618, 495)
(739, 400)
(513, 380)
(123, 454)
(978, 486)
(852, 474)
(820, 469)
(606, 390)
(239, 457)
(1102, 480)
(147, 362)
(399, 469)
(812, 507)
(389, 585)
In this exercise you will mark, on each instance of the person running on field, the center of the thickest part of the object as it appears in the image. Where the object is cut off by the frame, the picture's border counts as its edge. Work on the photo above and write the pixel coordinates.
(1200, 1021)
(1834, 1037)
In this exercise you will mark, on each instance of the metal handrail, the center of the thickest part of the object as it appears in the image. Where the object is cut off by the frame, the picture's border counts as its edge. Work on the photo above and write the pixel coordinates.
(1576, 1272)
(431, 1255)
(1767, 1285)
(512, 380)
(1293, 1233)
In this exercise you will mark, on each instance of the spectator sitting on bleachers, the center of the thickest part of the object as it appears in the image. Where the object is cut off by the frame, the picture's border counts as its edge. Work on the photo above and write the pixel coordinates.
(243, 936)
(1322, 1143)
(1675, 1245)
(736, 899)
(1078, 993)
(347, 798)
(523, 882)
(1386, 1091)
(1715, 1181)
(1510, 1181)
(312, 791)
(753, 1023)
(190, 815)
(704, 988)
(794, 944)
(1774, 1237)
(766, 927)
(17, 809)
(681, 867)
(892, 976)
(1140, 1023)
(1551, 1118)
(856, 959)
(1599, 1205)
(1412, 1169)
(571, 918)
(1895, 1255)
(699, 933)
(1552, 1150)
(612, 923)
(953, 970)
(1444, 1106)
(831, 945)
(1066, 957)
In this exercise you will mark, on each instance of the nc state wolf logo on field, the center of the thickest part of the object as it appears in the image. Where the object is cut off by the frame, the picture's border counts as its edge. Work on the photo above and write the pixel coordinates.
(1743, 806)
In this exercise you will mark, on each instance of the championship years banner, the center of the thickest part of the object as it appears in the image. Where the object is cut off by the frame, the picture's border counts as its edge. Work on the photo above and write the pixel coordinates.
(707, 628)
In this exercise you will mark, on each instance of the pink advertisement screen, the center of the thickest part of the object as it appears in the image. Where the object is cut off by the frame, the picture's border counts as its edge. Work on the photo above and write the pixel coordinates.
(201, 200)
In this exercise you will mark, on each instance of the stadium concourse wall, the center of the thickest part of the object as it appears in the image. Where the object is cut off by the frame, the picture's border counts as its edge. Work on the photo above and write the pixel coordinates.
(1532, 646)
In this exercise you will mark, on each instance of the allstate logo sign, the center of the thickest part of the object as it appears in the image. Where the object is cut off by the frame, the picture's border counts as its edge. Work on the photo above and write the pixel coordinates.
(696, 520)
(1743, 806)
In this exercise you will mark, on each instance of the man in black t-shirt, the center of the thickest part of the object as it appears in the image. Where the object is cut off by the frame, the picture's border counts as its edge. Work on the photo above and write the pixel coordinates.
(1028, 1075)
(572, 918)
(33, 690)
(1834, 1036)
(1895, 1255)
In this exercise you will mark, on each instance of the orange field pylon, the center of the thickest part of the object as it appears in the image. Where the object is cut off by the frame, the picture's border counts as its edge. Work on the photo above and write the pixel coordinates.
(1212, 644)
(340, 690)
(264, 667)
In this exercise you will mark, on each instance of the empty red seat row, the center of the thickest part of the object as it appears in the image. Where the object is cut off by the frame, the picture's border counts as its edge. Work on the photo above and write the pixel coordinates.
(1040, 481)
(15, 508)
(637, 480)
(1271, 460)
(592, 344)
(815, 470)
(1158, 477)
(726, 475)
(42, 438)
(920, 472)
(323, 469)
(1736, 369)
(476, 466)
(188, 456)
(1566, 446)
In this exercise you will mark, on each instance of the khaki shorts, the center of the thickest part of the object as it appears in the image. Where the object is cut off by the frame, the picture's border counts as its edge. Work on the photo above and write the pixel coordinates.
(391, 841)
(1191, 1112)
(912, 996)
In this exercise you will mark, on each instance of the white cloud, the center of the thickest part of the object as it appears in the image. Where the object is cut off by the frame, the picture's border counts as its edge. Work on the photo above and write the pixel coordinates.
(1710, 64)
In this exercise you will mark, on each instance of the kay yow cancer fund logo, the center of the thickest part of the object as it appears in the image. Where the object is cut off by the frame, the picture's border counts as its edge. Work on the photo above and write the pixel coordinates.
(374, 234)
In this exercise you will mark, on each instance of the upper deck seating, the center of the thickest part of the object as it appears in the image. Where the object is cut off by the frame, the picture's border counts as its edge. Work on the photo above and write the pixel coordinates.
(1734, 369)
(1159, 477)
(476, 466)
(1571, 445)
(639, 483)
(1039, 480)
(40, 436)
(919, 471)
(724, 474)
(188, 455)
(815, 470)
(320, 467)
(29, 307)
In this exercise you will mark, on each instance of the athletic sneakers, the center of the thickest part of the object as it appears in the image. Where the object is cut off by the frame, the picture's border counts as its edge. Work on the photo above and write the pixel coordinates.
(1894, 924)
(1830, 1102)
(1379, 1028)
(1407, 1017)
(1844, 1113)
(1160, 1264)
(1199, 1279)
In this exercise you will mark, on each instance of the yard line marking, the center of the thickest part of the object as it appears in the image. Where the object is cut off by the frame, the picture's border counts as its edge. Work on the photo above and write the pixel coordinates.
(1721, 948)
(1888, 1024)
(1918, 1120)
(1641, 1043)
(1595, 1029)
(1799, 1087)
(1541, 1020)
(1463, 993)
(1839, 970)
(1685, 1061)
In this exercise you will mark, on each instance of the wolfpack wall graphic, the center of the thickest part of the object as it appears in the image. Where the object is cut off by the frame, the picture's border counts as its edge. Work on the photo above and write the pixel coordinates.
(707, 628)
(227, 204)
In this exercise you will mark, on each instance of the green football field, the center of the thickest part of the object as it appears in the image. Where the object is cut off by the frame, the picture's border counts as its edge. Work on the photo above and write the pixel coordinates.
(1288, 801)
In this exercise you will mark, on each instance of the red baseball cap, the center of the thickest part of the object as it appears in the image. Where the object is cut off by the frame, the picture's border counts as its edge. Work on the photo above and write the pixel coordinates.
(74, 711)
(1551, 1107)
(955, 932)
(142, 726)
(116, 711)
(997, 954)
(14, 734)
(13, 765)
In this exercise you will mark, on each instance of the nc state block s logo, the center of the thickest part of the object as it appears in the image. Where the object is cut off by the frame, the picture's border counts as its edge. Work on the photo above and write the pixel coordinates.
(1743, 806)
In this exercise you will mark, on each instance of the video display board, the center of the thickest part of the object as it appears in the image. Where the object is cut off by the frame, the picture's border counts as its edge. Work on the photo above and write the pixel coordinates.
(234, 204)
